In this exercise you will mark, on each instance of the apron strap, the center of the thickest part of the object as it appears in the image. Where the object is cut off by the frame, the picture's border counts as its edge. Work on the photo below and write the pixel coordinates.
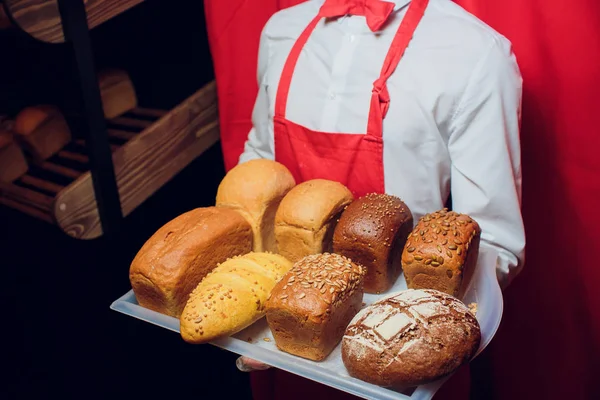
(285, 80)
(405, 32)
(404, 35)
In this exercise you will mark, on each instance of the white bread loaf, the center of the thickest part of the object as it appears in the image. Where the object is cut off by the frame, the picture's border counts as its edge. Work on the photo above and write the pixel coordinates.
(42, 131)
(13, 164)
(307, 217)
(181, 253)
(232, 297)
(255, 189)
(117, 92)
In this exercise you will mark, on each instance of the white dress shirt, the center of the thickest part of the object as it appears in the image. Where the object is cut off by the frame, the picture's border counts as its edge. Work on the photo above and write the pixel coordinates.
(453, 122)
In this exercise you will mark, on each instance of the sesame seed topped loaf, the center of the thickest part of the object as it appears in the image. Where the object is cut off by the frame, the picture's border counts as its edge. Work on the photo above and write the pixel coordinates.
(309, 309)
(307, 216)
(182, 252)
(255, 190)
(410, 338)
(372, 232)
(232, 297)
(441, 252)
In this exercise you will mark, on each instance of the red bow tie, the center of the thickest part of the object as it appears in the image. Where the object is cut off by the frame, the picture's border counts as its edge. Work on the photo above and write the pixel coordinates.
(376, 12)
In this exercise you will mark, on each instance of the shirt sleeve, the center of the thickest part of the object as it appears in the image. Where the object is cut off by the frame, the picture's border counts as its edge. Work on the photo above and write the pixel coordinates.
(260, 144)
(484, 148)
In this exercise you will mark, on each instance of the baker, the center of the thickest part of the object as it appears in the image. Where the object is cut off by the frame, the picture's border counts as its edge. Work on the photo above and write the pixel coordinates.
(417, 99)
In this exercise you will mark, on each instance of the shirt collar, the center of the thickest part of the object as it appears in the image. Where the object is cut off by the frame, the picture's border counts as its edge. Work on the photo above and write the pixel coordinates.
(399, 4)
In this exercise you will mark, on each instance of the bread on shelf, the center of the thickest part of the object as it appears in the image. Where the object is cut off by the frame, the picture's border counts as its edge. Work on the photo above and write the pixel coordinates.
(307, 216)
(42, 131)
(182, 252)
(231, 297)
(309, 309)
(410, 338)
(117, 92)
(5, 22)
(13, 164)
(255, 189)
(372, 232)
(441, 252)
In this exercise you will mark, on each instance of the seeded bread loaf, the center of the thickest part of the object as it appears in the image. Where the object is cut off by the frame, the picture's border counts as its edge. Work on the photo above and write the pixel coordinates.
(372, 232)
(231, 297)
(307, 216)
(441, 252)
(309, 309)
(181, 253)
(42, 131)
(410, 338)
(13, 164)
(255, 189)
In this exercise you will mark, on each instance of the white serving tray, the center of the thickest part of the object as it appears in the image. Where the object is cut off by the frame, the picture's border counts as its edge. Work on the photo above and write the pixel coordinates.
(257, 341)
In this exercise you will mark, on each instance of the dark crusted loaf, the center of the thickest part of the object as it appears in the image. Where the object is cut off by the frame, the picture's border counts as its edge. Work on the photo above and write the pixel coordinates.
(372, 232)
(410, 338)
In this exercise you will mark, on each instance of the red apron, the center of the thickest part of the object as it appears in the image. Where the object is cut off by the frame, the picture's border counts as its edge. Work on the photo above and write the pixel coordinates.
(356, 160)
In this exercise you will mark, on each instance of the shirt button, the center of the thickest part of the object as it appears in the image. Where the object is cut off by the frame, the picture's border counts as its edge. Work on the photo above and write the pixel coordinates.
(351, 38)
(331, 95)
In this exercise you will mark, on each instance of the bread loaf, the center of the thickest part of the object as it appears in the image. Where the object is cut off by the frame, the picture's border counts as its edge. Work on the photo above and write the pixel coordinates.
(117, 92)
(181, 253)
(13, 164)
(5, 22)
(231, 297)
(6, 124)
(410, 338)
(307, 216)
(42, 131)
(372, 232)
(309, 309)
(255, 189)
(441, 252)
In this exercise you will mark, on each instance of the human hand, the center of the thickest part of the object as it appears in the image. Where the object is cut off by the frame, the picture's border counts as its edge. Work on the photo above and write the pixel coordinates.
(246, 364)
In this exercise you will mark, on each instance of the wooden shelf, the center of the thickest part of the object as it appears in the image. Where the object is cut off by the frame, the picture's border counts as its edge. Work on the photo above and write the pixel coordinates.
(149, 148)
(41, 18)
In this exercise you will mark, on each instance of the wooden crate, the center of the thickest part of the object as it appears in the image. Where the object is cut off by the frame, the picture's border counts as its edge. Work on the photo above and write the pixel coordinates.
(149, 148)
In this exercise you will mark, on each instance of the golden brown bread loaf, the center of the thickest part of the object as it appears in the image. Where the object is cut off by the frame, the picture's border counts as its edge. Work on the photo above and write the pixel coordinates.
(410, 338)
(255, 189)
(309, 309)
(372, 232)
(441, 252)
(231, 297)
(117, 92)
(42, 131)
(182, 252)
(307, 216)
(13, 164)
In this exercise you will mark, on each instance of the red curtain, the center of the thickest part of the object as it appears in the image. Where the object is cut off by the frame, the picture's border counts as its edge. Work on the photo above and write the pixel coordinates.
(234, 28)
(548, 346)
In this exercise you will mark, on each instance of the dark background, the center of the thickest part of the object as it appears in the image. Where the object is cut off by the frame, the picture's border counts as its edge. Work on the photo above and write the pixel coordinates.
(59, 337)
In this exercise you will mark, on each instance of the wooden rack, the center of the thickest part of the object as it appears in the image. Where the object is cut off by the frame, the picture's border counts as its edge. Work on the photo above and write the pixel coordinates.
(41, 18)
(149, 148)
(91, 184)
